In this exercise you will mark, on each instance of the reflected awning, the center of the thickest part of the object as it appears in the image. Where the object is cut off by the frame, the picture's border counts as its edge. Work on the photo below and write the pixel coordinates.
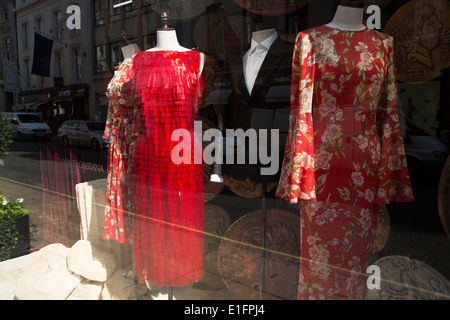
(28, 107)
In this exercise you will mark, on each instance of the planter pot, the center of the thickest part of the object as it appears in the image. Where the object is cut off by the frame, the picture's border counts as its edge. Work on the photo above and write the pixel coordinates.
(23, 228)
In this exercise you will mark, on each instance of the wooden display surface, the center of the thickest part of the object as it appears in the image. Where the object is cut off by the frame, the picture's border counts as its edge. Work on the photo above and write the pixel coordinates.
(240, 255)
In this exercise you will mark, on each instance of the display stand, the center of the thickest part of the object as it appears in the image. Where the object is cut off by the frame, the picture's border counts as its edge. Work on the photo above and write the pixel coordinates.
(170, 295)
(136, 289)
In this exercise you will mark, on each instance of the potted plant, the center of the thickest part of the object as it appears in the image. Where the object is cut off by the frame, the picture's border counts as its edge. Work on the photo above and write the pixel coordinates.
(6, 138)
(14, 218)
(14, 229)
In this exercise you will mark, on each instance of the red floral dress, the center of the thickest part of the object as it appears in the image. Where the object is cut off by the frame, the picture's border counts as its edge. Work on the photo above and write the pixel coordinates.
(344, 154)
(121, 131)
(168, 180)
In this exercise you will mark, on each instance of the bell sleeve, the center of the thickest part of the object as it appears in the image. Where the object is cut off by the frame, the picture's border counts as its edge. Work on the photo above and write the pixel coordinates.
(393, 176)
(297, 171)
(109, 120)
(109, 115)
(135, 103)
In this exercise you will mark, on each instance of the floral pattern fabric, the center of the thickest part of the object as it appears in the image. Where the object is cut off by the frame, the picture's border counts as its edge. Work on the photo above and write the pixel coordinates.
(344, 154)
(121, 130)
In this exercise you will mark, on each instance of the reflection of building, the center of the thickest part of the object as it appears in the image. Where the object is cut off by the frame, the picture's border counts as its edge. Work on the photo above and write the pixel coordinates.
(65, 93)
(83, 61)
(204, 25)
(8, 53)
(111, 28)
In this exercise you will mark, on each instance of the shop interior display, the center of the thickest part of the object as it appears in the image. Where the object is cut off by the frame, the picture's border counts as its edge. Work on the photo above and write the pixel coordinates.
(163, 193)
(248, 150)
(332, 96)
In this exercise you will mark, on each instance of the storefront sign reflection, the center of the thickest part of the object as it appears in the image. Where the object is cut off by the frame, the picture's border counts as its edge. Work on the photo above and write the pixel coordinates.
(84, 165)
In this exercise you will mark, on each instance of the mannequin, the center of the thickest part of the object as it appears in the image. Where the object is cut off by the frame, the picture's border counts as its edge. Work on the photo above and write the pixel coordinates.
(253, 75)
(169, 84)
(119, 112)
(330, 238)
(260, 36)
(348, 16)
(251, 69)
(166, 39)
(130, 50)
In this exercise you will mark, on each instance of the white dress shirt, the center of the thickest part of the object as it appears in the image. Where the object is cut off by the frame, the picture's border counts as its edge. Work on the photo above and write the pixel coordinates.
(254, 58)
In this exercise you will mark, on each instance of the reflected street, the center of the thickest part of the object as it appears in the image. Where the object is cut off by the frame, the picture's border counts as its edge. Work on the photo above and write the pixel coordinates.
(24, 161)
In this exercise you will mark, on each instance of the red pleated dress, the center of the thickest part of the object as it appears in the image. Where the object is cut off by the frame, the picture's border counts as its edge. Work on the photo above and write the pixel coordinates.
(168, 195)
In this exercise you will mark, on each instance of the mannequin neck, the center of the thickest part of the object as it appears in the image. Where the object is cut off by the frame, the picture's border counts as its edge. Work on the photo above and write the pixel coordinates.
(167, 40)
(130, 50)
(348, 18)
(260, 36)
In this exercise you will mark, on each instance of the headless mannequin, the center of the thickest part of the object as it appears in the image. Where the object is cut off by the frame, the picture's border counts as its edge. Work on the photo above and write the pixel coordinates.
(252, 61)
(259, 37)
(349, 16)
(166, 39)
(130, 50)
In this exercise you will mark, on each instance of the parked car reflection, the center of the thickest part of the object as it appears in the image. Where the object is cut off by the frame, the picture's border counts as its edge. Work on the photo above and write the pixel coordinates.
(83, 133)
(27, 125)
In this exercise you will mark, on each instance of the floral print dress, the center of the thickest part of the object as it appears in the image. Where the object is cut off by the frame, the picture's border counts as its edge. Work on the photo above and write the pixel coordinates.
(344, 154)
(121, 130)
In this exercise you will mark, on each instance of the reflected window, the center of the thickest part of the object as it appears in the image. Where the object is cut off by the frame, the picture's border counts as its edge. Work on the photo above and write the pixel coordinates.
(116, 55)
(127, 7)
(76, 64)
(30, 118)
(57, 24)
(25, 36)
(5, 14)
(100, 12)
(100, 55)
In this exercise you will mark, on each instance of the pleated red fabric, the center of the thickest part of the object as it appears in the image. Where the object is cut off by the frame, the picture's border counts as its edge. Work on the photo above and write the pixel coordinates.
(168, 197)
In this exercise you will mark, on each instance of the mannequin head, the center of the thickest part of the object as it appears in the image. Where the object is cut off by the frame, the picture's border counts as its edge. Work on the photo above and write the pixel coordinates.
(352, 3)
